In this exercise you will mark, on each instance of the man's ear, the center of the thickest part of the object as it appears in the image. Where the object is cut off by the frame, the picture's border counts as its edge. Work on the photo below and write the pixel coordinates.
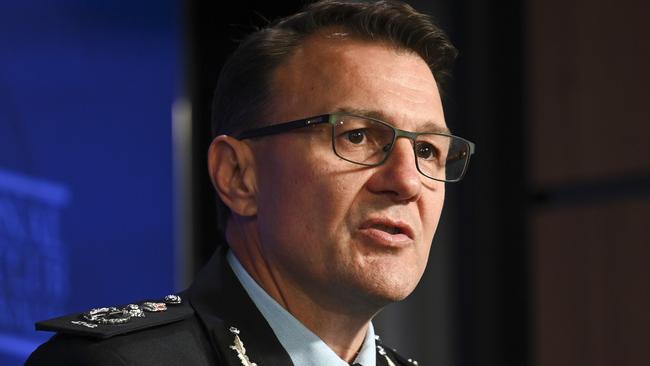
(232, 170)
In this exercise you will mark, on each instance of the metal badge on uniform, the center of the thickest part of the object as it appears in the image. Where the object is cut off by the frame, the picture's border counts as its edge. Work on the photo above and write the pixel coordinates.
(154, 307)
(135, 311)
(110, 315)
(116, 316)
(238, 346)
(172, 299)
(382, 352)
(85, 324)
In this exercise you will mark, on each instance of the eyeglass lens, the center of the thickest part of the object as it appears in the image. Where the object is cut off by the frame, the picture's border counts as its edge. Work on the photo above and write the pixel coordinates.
(368, 142)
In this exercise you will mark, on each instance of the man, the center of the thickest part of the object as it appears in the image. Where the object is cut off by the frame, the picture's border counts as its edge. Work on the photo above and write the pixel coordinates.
(330, 161)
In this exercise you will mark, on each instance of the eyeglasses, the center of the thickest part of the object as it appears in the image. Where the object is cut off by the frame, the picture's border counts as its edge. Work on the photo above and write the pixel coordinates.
(369, 141)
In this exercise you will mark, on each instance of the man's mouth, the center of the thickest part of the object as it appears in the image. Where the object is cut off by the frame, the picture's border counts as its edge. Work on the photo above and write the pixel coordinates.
(389, 229)
(388, 232)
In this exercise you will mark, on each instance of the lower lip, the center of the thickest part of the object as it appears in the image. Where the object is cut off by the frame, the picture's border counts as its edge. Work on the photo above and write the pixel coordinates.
(385, 239)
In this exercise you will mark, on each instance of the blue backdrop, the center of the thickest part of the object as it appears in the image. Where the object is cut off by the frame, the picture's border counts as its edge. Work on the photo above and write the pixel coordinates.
(86, 220)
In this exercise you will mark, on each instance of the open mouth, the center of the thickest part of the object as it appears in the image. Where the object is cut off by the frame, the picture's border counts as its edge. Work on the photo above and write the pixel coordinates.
(389, 229)
(388, 232)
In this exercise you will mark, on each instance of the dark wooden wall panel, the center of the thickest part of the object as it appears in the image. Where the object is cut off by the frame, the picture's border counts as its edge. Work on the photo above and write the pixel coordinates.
(590, 89)
(589, 92)
(592, 284)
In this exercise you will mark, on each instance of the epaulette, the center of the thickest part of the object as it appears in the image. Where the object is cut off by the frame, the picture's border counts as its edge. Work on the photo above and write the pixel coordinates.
(391, 353)
(108, 322)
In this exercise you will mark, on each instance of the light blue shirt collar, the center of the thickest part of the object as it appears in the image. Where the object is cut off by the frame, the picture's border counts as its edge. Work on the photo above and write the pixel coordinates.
(304, 347)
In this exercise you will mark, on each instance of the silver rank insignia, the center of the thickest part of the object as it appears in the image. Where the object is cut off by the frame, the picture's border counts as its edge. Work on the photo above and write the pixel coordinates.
(238, 346)
(382, 352)
(154, 307)
(172, 300)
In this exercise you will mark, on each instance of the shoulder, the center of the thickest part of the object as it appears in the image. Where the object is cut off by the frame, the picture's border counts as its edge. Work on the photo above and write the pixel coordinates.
(102, 337)
(110, 321)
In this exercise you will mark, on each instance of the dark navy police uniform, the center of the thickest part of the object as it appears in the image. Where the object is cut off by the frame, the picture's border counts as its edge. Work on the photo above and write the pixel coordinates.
(215, 324)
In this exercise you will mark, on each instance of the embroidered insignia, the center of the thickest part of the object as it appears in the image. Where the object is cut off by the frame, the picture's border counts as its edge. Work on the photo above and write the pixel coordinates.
(112, 316)
(173, 299)
(85, 324)
(238, 346)
(134, 310)
(382, 352)
(154, 307)
(390, 363)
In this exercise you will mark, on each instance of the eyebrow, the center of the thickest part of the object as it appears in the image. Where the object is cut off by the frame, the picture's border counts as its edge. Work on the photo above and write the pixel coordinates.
(428, 126)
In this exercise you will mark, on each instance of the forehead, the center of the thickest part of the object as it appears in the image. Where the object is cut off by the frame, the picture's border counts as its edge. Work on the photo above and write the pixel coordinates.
(331, 72)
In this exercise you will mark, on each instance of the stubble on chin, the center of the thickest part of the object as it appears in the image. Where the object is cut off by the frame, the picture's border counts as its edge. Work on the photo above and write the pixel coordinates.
(372, 282)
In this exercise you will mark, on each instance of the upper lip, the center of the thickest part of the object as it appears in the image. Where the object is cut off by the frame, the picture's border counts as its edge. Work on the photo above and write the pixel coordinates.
(402, 226)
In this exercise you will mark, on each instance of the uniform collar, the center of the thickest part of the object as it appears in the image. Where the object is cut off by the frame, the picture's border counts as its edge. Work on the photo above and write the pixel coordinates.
(304, 347)
(230, 317)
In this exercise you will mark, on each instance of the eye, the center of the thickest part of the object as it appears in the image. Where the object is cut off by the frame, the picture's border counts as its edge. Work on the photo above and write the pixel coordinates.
(425, 151)
(356, 136)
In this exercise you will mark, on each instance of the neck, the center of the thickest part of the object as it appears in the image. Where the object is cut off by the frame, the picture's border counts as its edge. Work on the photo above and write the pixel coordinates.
(342, 328)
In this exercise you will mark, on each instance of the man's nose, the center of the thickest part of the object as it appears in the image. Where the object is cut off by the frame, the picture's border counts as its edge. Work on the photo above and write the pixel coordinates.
(398, 176)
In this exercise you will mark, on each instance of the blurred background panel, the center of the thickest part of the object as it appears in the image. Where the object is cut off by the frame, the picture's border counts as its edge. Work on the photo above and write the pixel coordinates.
(592, 292)
(86, 198)
(588, 64)
(590, 169)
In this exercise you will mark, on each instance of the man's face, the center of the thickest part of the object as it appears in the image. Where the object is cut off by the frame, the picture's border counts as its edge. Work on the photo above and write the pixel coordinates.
(346, 234)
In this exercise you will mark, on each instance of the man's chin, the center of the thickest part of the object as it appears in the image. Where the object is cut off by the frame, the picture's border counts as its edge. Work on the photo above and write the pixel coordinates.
(386, 292)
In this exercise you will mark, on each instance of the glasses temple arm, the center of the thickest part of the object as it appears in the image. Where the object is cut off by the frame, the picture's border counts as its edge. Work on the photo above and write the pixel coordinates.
(282, 127)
